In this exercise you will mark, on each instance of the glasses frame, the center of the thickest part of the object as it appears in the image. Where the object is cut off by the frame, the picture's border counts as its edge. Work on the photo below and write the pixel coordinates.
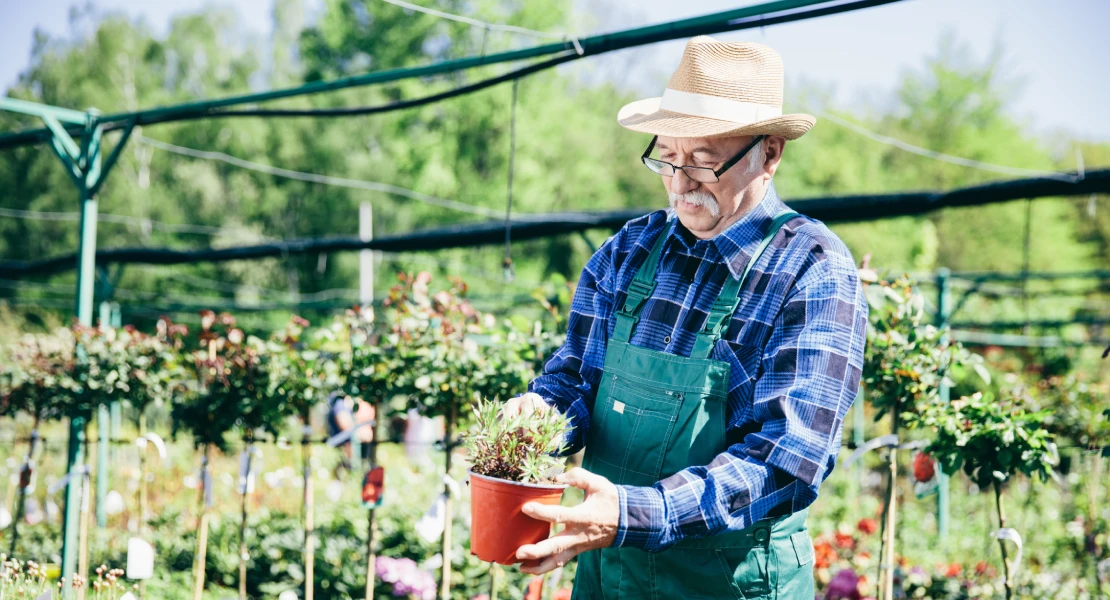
(728, 164)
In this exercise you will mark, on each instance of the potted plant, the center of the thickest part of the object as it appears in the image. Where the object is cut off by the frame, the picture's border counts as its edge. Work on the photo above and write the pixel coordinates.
(513, 461)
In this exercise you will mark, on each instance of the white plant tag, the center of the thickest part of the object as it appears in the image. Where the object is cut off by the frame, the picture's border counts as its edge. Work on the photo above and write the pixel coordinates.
(44, 596)
(140, 559)
(430, 526)
(618, 406)
(1008, 533)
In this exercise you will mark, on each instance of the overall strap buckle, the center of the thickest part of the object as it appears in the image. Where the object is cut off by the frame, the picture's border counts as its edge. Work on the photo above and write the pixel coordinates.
(638, 292)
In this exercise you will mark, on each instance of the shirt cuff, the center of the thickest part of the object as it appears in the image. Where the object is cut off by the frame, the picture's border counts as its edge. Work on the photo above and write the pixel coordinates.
(643, 518)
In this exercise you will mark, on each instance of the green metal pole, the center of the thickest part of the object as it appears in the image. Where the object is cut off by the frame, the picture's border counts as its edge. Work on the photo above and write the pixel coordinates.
(944, 299)
(116, 408)
(86, 272)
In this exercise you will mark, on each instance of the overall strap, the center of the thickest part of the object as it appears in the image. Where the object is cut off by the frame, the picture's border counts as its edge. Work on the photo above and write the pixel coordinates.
(643, 284)
(729, 299)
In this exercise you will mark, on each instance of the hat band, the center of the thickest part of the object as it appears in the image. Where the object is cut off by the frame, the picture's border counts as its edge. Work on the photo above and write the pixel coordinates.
(715, 107)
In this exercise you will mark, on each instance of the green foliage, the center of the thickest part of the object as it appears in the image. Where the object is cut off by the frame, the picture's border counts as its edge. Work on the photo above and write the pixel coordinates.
(374, 367)
(990, 439)
(36, 375)
(1077, 409)
(233, 386)
(906, 358)
(304, 369)
(521, 447)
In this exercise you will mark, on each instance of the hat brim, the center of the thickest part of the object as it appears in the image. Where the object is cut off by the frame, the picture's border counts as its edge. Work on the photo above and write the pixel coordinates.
(646, 116)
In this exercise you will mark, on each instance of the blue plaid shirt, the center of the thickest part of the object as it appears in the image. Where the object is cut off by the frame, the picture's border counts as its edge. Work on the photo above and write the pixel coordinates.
(795, 346)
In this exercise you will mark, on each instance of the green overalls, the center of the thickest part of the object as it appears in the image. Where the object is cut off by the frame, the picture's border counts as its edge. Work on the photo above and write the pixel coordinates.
(657, 414)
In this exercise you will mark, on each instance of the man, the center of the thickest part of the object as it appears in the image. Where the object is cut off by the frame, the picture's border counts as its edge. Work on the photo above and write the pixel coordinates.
(343, 416)
(712, 353)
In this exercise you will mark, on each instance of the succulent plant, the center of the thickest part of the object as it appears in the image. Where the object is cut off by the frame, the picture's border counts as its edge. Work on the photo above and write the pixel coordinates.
(522, 448)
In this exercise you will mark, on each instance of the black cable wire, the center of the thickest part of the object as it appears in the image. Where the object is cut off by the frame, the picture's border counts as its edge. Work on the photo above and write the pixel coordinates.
(22, 138)
(400, 105)
(833, 209)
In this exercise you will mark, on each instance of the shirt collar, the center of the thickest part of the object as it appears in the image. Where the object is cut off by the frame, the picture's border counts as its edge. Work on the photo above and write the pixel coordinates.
(737, 243)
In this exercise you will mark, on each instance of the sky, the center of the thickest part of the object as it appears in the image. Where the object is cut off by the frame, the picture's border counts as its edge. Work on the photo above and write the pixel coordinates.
(1056, 52)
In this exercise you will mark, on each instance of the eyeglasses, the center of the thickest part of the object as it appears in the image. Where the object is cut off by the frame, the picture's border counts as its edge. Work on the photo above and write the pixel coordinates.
(699, 174)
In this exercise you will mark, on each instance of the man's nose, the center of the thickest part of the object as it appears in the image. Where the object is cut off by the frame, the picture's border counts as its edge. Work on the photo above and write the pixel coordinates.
(681, 183)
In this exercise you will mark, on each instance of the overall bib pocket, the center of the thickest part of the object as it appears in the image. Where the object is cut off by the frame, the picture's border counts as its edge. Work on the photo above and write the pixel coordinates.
(637, 426)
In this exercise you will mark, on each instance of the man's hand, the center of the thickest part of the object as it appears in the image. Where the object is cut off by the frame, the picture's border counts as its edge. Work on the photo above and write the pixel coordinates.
(590, 525)
(526, 404)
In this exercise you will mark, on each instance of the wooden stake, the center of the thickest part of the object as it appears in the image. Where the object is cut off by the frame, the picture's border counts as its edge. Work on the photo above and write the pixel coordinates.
(83, 527)
(448, 506)
(202, 533)
(243, 556)
(371, 558)
(886, 555)
(309, 509)
(142, 476)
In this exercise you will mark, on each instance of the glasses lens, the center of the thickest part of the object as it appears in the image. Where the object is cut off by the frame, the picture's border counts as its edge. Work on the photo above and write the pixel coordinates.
(660, 167)
(701, 174)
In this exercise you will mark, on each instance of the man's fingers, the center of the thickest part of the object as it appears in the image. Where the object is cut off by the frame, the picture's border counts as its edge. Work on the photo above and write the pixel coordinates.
(551, 514)
(580, 478)
(511, 408)
(549, 547)
(549, 564)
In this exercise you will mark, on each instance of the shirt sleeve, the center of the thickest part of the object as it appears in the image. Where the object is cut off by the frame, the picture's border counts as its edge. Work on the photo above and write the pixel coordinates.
(570, 378)
(810, 373)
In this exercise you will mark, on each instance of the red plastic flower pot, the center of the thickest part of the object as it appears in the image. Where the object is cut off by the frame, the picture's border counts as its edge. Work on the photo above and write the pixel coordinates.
(498, 526)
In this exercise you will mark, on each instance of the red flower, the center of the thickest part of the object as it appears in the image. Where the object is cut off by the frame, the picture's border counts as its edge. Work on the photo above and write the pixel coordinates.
(953, 570)
(867, 526)
(563, 594)
(982, 568)
(824, 553)
(844, 540)
(923, 467)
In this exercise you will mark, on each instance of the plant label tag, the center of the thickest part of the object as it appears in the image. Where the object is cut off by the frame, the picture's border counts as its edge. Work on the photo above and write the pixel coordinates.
(372, 487)
(44, 596)
(618, 406)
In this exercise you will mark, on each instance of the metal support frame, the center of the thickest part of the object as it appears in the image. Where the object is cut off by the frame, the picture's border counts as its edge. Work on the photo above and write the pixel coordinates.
(87, 168)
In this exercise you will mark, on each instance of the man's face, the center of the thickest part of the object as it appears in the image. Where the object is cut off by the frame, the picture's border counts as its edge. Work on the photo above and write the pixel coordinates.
(706, 209)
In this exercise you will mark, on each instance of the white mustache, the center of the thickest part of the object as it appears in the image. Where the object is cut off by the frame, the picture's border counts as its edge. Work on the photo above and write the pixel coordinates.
(697, 199)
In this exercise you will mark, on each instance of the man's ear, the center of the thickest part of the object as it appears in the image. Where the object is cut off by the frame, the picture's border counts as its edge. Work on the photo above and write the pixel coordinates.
(773, 148)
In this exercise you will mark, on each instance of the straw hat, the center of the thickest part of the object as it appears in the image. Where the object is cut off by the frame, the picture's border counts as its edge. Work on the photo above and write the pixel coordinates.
(720, 89)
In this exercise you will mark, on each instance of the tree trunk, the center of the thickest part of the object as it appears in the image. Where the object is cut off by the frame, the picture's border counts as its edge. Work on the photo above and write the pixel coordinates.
(202, 533)
(24, 474)
(448, 506)
(1002, 542)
